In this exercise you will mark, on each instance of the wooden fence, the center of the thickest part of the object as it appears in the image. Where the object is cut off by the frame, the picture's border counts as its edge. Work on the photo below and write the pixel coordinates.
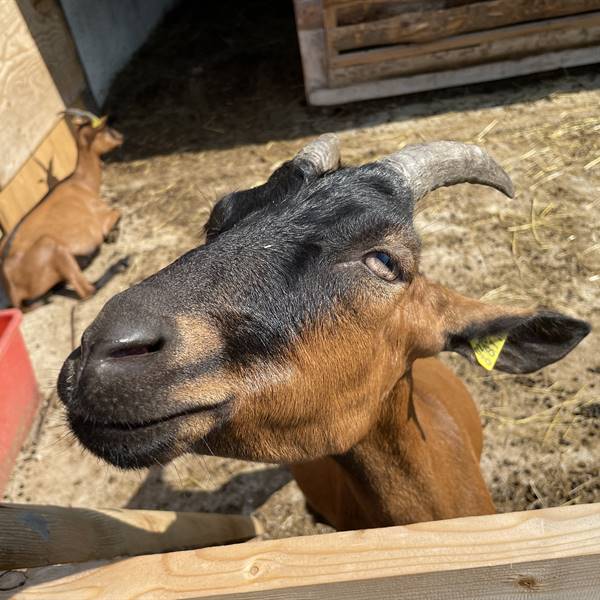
(550, 553)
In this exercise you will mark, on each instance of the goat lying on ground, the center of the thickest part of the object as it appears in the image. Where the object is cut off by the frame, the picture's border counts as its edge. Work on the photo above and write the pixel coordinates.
(303, 333)
(64, 231)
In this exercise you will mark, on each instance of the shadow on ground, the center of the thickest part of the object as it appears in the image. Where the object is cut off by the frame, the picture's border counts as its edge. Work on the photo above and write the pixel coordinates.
(242, 494)
(223, 74)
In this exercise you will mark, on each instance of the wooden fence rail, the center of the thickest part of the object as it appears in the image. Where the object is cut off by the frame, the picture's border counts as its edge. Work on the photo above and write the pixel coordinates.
(550, 553)
(34, 535)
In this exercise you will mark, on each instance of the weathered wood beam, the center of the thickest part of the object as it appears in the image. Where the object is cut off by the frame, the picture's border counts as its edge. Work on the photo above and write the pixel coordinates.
(485, 53)
(554, 551)
(35, 535)
(429, 25)
(402, 51)
(410, 84)
(54, 159)
(311, 37)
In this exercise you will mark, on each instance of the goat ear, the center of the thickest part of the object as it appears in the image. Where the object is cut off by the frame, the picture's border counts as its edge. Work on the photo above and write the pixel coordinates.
(285, 181)
(519, 344)
(315, 159)
(502, 338)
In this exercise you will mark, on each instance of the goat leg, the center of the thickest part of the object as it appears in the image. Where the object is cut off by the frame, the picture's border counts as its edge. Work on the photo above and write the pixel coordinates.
(118, 267)
(44, 265)
(67, 266)
(110, 227)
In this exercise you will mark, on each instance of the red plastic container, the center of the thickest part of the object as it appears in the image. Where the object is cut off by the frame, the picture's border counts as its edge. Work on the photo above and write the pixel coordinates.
(19, 396)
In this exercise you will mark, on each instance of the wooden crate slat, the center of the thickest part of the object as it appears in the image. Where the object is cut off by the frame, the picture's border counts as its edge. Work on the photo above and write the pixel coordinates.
(396, 3)
(554, 551)
(503, 49)
(410, 84)
(358, 11)
(425, 26)
(399, 52)
(334, 78)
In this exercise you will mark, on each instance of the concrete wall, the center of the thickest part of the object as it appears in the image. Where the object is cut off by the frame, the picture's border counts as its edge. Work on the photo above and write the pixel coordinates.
(108, 32)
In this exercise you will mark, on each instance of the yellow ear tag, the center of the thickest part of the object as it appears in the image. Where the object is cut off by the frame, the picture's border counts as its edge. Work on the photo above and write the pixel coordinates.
(487, 349)
(97, 122)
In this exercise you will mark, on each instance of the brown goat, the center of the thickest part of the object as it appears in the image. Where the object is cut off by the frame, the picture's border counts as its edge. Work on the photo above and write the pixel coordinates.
(303, 332)
(66, 228)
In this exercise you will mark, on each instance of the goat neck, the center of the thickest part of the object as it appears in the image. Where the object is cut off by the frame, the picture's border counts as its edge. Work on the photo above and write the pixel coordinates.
(414, 463)
(88, 170)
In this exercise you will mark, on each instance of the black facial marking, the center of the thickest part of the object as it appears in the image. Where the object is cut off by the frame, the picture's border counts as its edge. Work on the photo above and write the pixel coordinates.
(269, 266)
(304, 257)
(284, 183)
(280, 259)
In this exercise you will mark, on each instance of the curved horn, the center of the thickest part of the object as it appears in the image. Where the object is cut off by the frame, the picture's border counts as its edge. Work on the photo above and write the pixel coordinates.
(426, 167)
(86, 116)
(323, 154)
(76, 112)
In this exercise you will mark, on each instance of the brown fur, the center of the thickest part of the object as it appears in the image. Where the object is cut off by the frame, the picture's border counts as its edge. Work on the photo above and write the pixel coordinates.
(384, 442)
(418, 462)
(72, 220)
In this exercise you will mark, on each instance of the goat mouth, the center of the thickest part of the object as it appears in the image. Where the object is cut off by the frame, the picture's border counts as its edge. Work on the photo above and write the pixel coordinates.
(130, 427)
(137, 444)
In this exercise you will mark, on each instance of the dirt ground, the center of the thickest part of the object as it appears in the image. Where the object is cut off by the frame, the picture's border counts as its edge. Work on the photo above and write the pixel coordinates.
(213, 103)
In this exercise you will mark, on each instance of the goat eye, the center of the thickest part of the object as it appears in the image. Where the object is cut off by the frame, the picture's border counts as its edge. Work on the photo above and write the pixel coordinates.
(382, 265)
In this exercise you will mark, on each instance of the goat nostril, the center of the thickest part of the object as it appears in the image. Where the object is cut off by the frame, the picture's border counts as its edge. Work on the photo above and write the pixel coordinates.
(136, 349)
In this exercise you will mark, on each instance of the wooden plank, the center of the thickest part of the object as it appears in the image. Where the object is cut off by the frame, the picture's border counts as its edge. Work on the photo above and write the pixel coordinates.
(53, 160)
(513, 555)
(411, 84)
(351, 12)
(461, 41)
(574, 578)
(47, 25)
(400, 3)
(314, 66)
(311, 38)
(309, 14)
(29, 100)
(426, 26)
(511, 48)
(36, 535)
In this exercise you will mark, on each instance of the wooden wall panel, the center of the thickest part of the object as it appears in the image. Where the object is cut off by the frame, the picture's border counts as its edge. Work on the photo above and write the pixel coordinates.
(29, 100)
(47, 25)
(57, 151)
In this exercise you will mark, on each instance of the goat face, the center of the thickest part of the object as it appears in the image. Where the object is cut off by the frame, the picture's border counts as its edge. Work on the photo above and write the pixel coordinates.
(99, 138)
(278, 339)
(107, 139)
(93, 133)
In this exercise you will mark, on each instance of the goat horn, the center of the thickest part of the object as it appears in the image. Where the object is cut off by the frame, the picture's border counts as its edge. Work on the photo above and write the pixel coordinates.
(323, 153)
(426, 167)
(94, 120)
